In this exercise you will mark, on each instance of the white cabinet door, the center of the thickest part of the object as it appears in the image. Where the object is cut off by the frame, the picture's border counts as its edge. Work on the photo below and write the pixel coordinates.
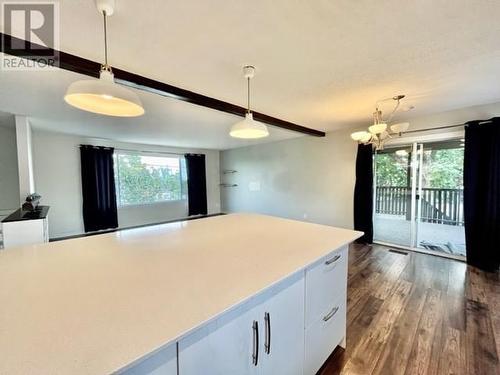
(225, 346)
(265, 336)
(27, 232)
(164, 362)
(283, 330)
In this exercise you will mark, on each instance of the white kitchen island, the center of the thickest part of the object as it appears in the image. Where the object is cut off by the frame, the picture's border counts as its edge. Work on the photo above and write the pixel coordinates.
(232, 294)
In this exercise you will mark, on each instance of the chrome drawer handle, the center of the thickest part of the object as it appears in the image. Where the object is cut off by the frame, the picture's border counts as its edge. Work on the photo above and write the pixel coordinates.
(333, 260)
(328, 316)
(255, 353)
(267, 343)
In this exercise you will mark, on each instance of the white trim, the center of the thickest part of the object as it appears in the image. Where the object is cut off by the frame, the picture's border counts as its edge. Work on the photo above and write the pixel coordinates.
(418, 218)
(159, 154)
(422, 251)
(434, 137)
(152, 203)
(413, 207)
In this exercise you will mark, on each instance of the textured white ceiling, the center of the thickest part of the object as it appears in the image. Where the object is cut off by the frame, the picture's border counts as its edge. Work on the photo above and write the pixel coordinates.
(320, 63)
(169, 122)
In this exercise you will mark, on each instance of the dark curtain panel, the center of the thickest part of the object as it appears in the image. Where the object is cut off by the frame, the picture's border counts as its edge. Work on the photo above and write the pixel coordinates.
(482, 194)
(197, 184)
(363, 193)
(98, 188)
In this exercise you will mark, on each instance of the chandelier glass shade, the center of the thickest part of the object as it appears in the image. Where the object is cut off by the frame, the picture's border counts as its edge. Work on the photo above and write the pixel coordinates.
(378, 128)
(361, 136)
(400, 127)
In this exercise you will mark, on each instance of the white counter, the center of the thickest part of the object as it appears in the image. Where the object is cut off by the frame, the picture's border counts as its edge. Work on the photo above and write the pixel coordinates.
(92, 305)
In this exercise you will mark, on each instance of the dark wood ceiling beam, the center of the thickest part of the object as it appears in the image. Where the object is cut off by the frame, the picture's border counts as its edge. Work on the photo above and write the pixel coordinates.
(91, 68)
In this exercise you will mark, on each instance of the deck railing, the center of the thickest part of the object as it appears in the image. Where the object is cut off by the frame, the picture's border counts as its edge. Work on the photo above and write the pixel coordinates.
(440, 206)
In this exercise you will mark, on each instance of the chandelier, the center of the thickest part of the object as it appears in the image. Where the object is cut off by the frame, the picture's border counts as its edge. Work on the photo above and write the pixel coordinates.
(380, 131)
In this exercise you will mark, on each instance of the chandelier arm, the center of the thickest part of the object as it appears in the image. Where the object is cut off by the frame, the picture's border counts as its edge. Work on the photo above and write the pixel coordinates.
(377, 103)
(393, 111)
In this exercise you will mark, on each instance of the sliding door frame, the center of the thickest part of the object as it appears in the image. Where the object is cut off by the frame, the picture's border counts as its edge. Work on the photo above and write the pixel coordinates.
(416, 171)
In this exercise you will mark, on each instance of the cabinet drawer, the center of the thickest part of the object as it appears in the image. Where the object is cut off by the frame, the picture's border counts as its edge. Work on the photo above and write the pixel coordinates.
(323, 336)
(326, 282)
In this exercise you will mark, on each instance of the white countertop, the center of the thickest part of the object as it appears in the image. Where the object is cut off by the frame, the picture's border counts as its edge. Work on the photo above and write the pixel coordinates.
(92, 305)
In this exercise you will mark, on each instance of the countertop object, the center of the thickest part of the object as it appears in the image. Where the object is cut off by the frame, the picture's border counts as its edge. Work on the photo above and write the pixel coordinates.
(95, 304)
(40, 212)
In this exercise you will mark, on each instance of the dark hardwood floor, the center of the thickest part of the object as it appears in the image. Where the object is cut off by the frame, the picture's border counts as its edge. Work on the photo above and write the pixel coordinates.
(418, 314)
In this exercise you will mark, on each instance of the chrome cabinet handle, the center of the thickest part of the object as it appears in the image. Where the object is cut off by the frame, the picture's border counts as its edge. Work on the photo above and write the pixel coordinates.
(267, 343)
(328, 316)
(333, 260)
(255, 354)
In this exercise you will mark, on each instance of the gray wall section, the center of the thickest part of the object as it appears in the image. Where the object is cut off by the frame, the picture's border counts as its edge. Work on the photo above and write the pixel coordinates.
(309, 179)
(9, 176)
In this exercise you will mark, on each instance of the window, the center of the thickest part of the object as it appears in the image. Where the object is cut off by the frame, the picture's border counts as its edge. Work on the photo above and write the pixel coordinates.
(149, 178)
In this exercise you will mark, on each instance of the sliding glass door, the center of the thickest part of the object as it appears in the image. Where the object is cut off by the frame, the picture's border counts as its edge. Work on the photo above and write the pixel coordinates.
(419, 197)
(393, 196)
(440, 218)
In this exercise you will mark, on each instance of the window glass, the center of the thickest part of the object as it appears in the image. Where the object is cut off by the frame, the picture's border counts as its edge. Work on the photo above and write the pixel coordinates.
(147, 179)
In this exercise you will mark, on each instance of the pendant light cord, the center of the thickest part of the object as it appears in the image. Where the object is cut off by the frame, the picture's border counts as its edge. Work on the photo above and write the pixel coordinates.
(248, 94)
(105, 41)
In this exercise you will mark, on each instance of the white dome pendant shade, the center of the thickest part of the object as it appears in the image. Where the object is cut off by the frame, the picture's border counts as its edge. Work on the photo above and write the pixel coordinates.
(249, 128)
(103, 95)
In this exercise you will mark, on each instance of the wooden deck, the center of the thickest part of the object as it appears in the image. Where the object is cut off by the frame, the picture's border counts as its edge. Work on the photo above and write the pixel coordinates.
(394, 229)
(418, 314)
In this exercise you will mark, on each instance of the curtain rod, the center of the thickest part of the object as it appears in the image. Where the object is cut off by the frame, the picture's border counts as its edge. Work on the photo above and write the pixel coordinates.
(444, 127)
(151, 152)
(144, 151)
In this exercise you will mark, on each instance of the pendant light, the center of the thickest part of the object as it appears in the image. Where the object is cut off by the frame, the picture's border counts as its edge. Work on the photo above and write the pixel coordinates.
(249, 128)
(104, 96)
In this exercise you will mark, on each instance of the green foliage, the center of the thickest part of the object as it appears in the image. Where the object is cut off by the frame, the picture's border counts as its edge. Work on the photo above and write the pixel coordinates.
(441, 169)
(391, 169)
(140, 183)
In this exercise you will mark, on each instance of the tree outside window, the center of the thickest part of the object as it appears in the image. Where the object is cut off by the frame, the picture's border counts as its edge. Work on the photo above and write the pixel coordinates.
(144, 179)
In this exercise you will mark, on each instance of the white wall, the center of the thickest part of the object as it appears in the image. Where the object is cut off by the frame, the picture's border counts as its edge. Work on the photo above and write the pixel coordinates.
(24, 157)
(313, 178)
(9, 180)
(56, 160)
(305, 178)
